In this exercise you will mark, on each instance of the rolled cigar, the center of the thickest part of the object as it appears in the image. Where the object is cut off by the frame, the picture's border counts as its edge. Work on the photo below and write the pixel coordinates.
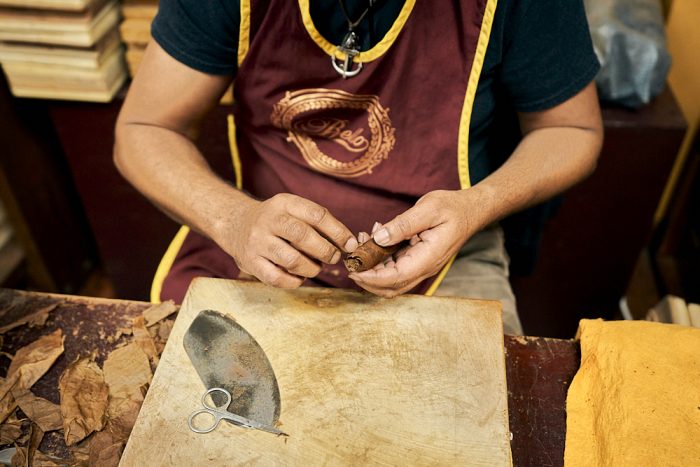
(369, 254)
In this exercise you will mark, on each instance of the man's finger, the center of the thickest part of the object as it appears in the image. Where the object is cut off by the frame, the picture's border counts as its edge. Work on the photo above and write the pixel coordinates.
(401, 252)
(305, 239)
(282, 254)
(404, 226)
(324, 222)
(270, 274)
(387, 292)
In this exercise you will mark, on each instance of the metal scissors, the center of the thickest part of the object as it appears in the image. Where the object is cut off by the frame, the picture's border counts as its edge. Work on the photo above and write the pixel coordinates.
(220, 413)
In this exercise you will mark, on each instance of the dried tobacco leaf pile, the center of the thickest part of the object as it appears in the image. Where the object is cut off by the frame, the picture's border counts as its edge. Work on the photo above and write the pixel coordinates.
(98, 406)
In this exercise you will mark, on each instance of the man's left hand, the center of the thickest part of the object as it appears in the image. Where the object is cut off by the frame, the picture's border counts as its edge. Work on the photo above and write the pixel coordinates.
(437, 226)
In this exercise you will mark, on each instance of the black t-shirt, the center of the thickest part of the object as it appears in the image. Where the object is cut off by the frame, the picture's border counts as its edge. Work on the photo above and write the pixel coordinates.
(539, 55)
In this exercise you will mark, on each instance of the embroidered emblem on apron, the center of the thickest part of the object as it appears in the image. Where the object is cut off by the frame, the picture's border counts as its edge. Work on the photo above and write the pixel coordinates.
(314, 117)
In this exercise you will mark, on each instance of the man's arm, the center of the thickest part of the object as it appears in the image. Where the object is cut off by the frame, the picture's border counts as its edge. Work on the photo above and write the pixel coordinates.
(560, 147)
(280, 241)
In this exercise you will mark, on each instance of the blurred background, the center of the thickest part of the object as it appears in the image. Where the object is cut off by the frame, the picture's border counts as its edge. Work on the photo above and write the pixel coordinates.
(615, 246)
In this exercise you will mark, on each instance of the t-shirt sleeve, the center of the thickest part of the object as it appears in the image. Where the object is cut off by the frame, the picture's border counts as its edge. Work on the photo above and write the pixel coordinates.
(202, 34)
(548, 55)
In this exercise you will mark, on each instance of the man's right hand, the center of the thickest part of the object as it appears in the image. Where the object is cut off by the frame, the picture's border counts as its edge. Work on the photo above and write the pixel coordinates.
(280, 241)
(283, 240)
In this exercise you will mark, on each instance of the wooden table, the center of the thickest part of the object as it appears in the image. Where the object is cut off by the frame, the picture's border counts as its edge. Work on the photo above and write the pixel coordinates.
(539, 370)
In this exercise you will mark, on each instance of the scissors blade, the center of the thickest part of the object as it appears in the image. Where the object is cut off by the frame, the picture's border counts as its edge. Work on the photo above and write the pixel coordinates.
(267, 428)
(248, 423)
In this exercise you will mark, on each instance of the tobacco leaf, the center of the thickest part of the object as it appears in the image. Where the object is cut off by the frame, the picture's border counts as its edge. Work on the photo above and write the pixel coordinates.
(164, 329)
(10, 431)
(44, 413)
(24, 439)
(21, 458)
(84, 398)
(126, 370)
(36, 358)
(44, 460)
(7, 402)
(105, 450)
(37, 317)
(160, 347)
(160, 333)
(108, 456)
(30, 363)
(80, 454)
(143, 338)
(127, 373)
(34, 441)
(123, 411)
(25, 455)
(159, 312)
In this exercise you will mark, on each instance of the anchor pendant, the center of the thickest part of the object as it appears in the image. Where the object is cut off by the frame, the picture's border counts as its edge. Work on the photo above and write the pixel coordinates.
(350, 48)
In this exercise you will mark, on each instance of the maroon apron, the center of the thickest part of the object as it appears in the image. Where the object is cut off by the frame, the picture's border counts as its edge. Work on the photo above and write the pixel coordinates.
(367, 148)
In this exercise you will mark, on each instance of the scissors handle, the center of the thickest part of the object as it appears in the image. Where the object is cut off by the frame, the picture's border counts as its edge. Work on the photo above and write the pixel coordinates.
(216, 412)
(223, 407)
(208, 429)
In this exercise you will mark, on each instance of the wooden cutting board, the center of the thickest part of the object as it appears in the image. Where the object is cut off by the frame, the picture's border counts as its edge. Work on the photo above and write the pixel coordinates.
(363, 380)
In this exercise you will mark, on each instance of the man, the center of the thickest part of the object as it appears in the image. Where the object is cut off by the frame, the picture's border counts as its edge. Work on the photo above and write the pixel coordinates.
(351, 112)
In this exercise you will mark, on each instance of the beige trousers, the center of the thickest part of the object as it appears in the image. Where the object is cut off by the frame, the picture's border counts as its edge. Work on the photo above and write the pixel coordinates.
(481, 271)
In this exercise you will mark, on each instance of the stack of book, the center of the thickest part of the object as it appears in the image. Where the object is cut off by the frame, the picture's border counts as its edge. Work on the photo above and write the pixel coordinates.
(136, 29)
(62, 49)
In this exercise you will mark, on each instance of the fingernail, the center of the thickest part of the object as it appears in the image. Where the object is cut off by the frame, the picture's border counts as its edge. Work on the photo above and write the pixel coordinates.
(376, 226)
(335, 258)
(351, 245)
(381, 237)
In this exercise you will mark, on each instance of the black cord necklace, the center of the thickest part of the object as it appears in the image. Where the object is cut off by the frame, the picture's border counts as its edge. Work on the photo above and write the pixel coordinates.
(350, 45)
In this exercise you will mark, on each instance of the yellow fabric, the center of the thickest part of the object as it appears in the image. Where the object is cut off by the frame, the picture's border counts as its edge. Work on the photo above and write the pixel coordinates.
(166, 262)
(233, 147)
(441, 275)
(635, 401)
(465, 120)
(244, 31)
(367, 56)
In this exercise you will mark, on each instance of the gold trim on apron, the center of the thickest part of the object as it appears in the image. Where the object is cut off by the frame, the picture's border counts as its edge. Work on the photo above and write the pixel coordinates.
(244, 31)
(465, 120)
(363, 57)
